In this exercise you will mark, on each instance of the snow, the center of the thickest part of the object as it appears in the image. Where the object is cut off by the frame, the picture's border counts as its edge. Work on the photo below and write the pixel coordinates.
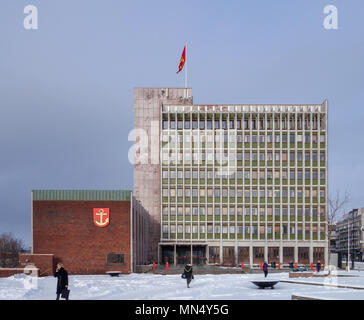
(147, 286)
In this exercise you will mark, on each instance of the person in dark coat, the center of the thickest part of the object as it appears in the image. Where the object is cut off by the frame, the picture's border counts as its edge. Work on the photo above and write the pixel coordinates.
(187, 274)
(62, 281)
(318, 266)
(265, 268)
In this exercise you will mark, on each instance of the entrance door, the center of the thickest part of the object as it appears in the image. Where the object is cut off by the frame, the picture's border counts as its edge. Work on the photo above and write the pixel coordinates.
(199, 255)
(183, 254)
(228, 256)
(168, 254)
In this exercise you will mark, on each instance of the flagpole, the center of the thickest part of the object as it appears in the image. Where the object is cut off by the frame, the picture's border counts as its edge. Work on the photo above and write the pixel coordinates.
(186, 68)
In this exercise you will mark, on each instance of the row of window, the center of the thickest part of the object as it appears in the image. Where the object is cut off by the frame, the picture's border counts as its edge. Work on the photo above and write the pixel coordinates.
(224, 157)
(247, 211)
(254, 174)
(241, 229)
(246, 193)
(236, 137)
(261, 123)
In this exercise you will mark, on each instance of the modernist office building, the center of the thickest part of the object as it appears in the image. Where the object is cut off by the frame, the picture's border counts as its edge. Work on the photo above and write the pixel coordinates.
(226, 184)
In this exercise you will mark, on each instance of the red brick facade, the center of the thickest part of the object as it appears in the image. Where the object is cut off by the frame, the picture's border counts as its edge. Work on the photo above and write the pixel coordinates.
(66, 229)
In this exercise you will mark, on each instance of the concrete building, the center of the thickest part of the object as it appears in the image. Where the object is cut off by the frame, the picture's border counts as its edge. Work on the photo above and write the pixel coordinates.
(89, 231)
(226, 184)
(349, 233)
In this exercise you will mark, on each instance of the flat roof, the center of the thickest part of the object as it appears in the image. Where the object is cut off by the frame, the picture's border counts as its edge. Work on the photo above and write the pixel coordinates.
(81, 195)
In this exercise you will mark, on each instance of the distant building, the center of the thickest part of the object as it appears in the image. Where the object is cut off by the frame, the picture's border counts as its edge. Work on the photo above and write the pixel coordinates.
(89, 231)
(226, 184)
(349, 234)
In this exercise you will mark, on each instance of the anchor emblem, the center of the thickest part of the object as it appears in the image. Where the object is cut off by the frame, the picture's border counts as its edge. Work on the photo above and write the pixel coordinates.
(101, 217)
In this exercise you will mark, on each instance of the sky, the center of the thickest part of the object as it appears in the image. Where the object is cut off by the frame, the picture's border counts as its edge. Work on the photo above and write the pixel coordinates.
(66, 88)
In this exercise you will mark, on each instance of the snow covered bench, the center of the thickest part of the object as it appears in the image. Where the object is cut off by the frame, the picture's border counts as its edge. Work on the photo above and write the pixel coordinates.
(113, 273)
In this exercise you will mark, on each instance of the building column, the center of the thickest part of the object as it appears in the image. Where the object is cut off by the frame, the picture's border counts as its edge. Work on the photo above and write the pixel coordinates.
(251, 255)
(295, 254)
(221, 254)
(236, 255)
(191, 253)
(207, 254)
(281, 254)
(326, 255)
(311, 254)
(266, 253)
(174, 256)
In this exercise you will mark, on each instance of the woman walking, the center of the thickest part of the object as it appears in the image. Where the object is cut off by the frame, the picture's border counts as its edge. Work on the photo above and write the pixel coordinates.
(62, 281)
(187, 274)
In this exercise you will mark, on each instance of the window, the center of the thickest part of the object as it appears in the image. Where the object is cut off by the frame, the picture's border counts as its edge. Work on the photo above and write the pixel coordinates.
(115, 259)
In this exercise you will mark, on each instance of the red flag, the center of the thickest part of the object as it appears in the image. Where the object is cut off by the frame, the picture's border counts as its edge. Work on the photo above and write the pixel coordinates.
(182, 61)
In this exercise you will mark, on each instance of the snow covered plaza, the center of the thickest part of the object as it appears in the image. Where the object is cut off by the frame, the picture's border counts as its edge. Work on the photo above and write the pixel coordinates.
(172, 287)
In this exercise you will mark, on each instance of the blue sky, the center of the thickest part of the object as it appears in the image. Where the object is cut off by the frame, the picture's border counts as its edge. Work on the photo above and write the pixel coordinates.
(66, 89)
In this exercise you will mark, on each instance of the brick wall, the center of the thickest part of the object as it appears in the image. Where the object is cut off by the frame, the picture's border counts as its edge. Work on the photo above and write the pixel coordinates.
(66, 229)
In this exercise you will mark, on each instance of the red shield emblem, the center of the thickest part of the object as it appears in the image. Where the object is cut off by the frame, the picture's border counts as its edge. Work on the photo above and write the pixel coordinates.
(101, 217)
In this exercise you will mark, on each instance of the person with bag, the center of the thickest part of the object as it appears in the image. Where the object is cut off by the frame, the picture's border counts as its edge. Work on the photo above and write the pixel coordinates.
(265, 269)
(62, 282)
(187, 274)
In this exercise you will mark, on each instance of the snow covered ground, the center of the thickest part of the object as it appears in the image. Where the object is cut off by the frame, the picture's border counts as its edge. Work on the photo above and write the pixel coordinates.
(162, 287)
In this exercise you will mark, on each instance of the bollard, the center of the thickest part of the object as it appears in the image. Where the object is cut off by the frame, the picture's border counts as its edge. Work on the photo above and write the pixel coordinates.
(242, 265)
(153, 265)
(167, 266)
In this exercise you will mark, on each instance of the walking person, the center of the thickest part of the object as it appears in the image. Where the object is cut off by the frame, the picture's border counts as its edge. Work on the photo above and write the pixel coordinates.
(62, 282)
(187, 274)
(265, 269)
(318, 266)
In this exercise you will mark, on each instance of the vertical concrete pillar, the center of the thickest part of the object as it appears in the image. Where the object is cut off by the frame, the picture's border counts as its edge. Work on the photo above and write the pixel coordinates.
(281, 254)
(221, 254)
(191, 253)
(251, 255)
(236, 255)
(174, 256)
(266, 254)
(207, 254)
(296, 254)
(311, 254)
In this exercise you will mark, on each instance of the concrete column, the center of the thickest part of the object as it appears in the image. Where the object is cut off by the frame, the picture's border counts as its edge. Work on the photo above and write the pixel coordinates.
(191, 253)
(295, 254)
(251, 255)
(236, 255)
(207, 254)
(174, 256)
(281, 254)
(266, 254)
(326, 255)
(311, 254)
(221, 254)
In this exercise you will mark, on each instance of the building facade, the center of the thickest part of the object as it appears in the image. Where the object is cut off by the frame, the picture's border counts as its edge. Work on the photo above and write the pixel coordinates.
(232, 183)
(349, 234)
(89, 231)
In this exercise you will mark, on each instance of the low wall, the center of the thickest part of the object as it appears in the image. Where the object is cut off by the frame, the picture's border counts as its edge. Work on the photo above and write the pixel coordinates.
(8, 272)
(44, 262)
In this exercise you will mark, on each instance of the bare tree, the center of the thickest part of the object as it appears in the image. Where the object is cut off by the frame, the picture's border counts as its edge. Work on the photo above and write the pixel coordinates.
(335, 211)
(10, 247)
